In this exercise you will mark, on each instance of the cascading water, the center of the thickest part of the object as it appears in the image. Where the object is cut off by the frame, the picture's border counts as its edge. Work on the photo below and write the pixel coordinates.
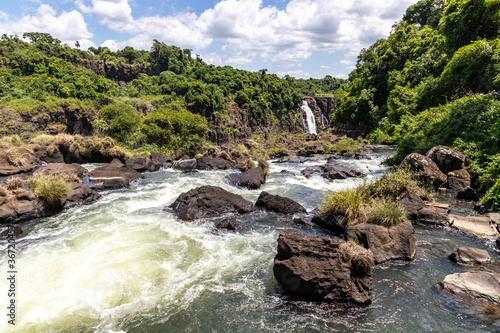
(127, 264)
(310, 120)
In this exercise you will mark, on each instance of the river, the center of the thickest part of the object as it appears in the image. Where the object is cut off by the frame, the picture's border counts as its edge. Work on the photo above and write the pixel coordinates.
(127, 264)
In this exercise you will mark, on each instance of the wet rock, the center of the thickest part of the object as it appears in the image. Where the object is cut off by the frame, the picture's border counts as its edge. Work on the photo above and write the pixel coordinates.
(469, 256)
(140, 163)
(497, 242)
(312, 149)
(446, 158)
(80, 195)
(411, 202)
(481, 285)
(331, 172)
(425, 169)
(222, 159)
(14, 230)
(209, 201)
(433, 215)
(458, 180)
(251, 179)
(287, 173)
(480, 226)
(160, 161)
(279, 204)
(48, 153)
(112, 175)
(17, 160)
(15, 208)
(58, 168)
(468, 194)
(335, 223)
(323, 269)
(186, 165)
(291, 158)
(394, 243)
(229, 223)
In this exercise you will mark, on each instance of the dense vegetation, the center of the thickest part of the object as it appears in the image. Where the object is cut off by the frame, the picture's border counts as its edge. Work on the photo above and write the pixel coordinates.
(434, 81)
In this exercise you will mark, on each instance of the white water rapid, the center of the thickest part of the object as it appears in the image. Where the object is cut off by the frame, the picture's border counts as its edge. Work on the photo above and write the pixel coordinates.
(310, 121)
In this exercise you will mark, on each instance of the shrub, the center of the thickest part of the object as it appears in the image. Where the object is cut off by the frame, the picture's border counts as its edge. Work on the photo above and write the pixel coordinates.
(13, 183)
(348, 145)
(263, 165)
(53, 189)
(349, 202)
(120, 120)
(243, 149)
(386, 213)
(392, 185)
(492, 197)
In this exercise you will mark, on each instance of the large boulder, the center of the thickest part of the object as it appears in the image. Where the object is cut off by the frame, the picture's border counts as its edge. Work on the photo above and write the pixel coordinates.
(209, 201)
(483, 226)
(223, 158)
(115, 174)
(160, 161)
(482, 285)
(446, 158)
(188, 164)
(58, 168)
(140, 163)
(394, 243)
(469, 256)
(279, 204)
(80, 195)
(17, 160)
(411, 202)
(251, 179)
(324, 269)
(23, 206)
(425, 169)
(468, 193)
(331, 172)
(458, 180)
(311, 149)
(433, 215)
(335, 223)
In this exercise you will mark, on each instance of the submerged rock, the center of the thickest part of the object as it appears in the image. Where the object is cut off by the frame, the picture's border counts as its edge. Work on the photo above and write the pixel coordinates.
(469, 256)
(394, 243)
(425, 169)
(16, 231)
(446, 158)
(209, 201)
(229, 223)
(323, 269)
(279, 204)
(251, 179)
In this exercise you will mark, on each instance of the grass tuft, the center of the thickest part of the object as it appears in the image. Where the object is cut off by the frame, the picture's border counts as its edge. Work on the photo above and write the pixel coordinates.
(53, 189)
(10, 141)
(348, 202)
(386, 213)
(13, 183)
(14, 157)
(3, 191)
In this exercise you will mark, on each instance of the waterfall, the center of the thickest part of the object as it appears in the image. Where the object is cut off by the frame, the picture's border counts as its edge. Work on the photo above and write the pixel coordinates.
(311, 121)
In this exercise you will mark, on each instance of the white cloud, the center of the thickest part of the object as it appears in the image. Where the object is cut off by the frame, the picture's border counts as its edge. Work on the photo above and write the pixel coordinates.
(296, 74)
(67, 26)
(324, 66)
(341, 76)
(346, 62)
(111, 44)
(239, 60)
(114, 13)
(212, 58)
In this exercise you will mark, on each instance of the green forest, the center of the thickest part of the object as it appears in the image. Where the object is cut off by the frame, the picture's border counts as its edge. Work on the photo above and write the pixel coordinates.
(434, 80)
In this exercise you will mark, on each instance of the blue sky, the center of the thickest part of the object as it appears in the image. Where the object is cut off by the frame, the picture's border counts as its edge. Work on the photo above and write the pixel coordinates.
(302, 38)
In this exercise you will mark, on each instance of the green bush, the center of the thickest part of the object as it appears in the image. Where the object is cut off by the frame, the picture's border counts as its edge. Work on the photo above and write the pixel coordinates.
(53, 189)
(391, 185)
(348, 145)
(492, 197)
(119, 120)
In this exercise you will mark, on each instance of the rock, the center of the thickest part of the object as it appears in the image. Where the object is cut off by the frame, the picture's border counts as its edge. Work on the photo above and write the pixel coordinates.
(160, 161)
(24, 206)
(140, 163)
(468, 194)
(58, 168)
(458, 180)
(323, 269)
(394, 243)
(80, 195)
(287, 173)
(481, 226)
(48, 153)
(425, 169)
(223, 159)
(14, 230)
(331, 172)
(312, 149)
(209, 201)
(291, 158)
(335, 223)
(279, 204)
(113, 175)
(251, 179)
(17, 160)
(411, 202)
(446, 158)
(433, 215)
(470, 256)
(228, 223)
(186, 165)
(478, 284)
(497, 242)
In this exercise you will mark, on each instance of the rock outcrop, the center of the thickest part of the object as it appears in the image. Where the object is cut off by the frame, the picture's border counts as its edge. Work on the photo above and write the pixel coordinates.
(425, 169)
(58, 168)
(458, 180)
(335, 223)
(394, 243)
(279, 204)
(331, 172)
(23, 206)
(251, 179)
(140, 163)
(80, 195)
(209, 201)
(481, 285)
(469, 256)
(113, 175)
(223, 159)
(433, 215)
(483, 226)
(323, 269)
(446, 158)
(17, 160)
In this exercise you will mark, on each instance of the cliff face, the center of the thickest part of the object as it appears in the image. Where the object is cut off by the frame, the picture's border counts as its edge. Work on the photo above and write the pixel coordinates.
(123, 73)
(322, 107)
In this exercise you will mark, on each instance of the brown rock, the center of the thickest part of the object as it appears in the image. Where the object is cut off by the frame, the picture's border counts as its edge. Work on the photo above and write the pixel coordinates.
(17, 160)
(80, 195)
(14, 230)
(319, 268)
(335, 223)
(469, 255)
(433, 215)
(478, 284)
(468, 194)
(279, 204)
(446, 158)
(394, 243)
(114, 170)
(411, 202)
(228, 223)
(458, 180)
(140, 163)
(425, 169)
(251, 179)
(58, 168)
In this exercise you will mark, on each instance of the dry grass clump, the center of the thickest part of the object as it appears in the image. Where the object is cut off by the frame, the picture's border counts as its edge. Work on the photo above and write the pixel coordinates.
(14, 157)
(10, 141)
(13, 183)
(70, 177)
(263, 165)
(243, 149)
(53, 189)
(43, 138)
(3, 191)
(51, 150)
(361, 258)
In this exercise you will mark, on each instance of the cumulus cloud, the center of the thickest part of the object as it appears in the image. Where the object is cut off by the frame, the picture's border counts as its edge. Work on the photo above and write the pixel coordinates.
(114, 13)
(239, 60)
(324, 66)
(297, 74)
(212, 58)
(66, 26)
